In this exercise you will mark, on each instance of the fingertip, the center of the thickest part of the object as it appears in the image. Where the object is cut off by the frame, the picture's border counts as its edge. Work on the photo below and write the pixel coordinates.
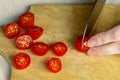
(91, 43)
(91, 52)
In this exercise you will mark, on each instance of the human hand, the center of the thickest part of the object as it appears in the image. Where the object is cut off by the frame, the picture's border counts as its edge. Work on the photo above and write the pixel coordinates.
(105, 43)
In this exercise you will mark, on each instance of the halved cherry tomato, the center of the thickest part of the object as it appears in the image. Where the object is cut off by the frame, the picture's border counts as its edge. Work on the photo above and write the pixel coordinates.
(35, 32)
(21, 60)
(40, 48)
(23, 42)
(54, 65)
(79, 46)
(11, 30)
(59, 48)
(26, 20)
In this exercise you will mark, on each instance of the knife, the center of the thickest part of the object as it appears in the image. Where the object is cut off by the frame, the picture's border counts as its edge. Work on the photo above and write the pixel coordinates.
(92, 17)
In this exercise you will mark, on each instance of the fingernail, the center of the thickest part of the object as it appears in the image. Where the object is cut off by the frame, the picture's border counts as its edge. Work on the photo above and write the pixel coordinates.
(91, 43)
(91, 52)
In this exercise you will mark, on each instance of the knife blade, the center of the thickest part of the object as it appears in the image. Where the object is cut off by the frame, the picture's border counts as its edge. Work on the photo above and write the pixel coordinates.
(92, 17)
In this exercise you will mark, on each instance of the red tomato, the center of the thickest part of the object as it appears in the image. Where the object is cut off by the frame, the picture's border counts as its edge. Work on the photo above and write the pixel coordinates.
(26, 20)
(40, 48)
(59, 48)
(78, 44)
(35, 32)
(21, 60)
(23, 42)
(11, 30)
(54, 65)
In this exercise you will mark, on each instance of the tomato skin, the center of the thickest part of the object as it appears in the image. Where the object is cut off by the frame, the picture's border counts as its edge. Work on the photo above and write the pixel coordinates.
(23, 42)
(21, 60)
(78, 44)
(35, 32)
(54, 65)
(40, 48)
(11, 30)
(59, 48)
(26, 20)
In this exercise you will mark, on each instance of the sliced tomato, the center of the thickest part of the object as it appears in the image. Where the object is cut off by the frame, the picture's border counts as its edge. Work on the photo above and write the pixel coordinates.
(23, 42)
(79, 46)
(35, 32)
(21, 60)
(54, 65)
(59, 48)
(40, 48)
(26, 20)
(11, 30)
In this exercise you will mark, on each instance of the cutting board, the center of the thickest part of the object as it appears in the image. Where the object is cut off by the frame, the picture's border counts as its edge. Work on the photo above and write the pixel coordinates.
(64, 23)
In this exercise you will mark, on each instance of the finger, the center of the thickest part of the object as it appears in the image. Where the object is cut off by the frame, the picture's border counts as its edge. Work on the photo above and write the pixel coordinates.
(107, 49)
(111, 35)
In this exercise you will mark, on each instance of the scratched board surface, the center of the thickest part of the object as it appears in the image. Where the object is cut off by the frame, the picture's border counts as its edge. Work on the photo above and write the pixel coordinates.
(64, 23)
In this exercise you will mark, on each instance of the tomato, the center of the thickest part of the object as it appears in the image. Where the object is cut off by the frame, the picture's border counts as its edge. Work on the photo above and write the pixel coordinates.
(23, 42)
(35, 32)
(26, 20)
(54, 65)
(59, 48)
(79, 46)
(21, 60)
(11, 30)
(40, 48)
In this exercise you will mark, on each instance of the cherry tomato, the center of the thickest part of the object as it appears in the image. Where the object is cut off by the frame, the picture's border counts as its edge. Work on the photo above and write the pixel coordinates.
(40, 48)
(35, 32)
(23, 42)
(26, 20)
(59, 48)
(21, 60)
(11, 30)
(54, 65)
(79, 46)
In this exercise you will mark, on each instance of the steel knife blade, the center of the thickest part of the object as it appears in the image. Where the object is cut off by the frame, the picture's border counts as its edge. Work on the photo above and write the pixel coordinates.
(92, 17)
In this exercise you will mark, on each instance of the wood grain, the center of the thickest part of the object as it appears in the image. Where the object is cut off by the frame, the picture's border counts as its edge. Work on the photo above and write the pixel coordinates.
(65, 23)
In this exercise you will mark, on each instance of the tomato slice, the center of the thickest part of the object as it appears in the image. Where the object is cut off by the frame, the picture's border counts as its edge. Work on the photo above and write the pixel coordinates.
(78, 44)
(11, 30)
(21, 60)
(23, 42)
(35, 32)
(59, 48)
(40, 48)
(26, 20)
(54, 65)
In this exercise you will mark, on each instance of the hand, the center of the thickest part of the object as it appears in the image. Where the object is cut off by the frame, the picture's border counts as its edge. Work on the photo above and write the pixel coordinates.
(105, 43)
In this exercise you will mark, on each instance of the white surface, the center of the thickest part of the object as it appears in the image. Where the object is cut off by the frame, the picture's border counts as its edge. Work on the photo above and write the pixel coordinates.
(4, 68)
(11, 9)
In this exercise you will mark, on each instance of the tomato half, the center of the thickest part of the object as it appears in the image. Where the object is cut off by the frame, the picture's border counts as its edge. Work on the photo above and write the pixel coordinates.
(35, 32)
(23, 42)
(54, 65)
(40, 48)
(79, 46)
(21, 60)
(59, 48)
(11, 30)
(26, 20)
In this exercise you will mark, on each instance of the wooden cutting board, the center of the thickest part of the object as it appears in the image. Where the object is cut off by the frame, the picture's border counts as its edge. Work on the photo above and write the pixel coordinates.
(65, 23)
